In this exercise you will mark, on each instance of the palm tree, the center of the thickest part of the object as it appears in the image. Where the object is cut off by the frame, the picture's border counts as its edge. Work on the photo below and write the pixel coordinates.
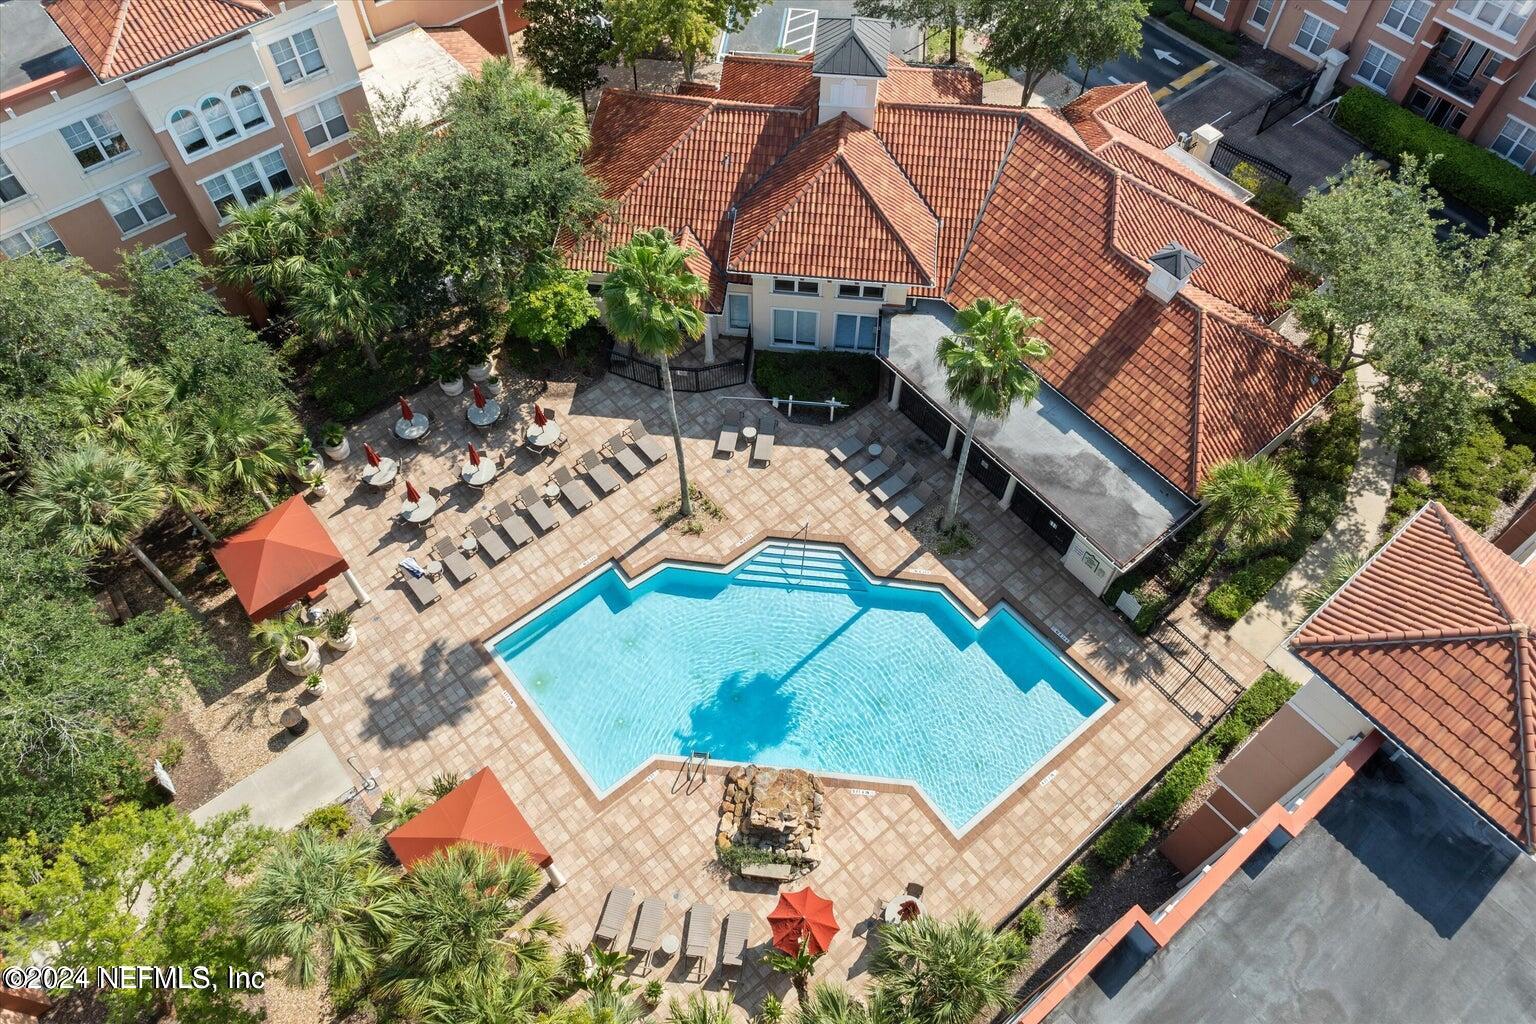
(799, 965)
(700, 1009)
(458, 926)
(1339, 572)
(107, 400)
(834, 1004)
(249, 445)
(396, 809)
(335, 301)
(165, 448)
(268, 247)
(96, 500)
(318, 903)
(937, 972)
(1251, 501)
(652, 302)
(985, 371)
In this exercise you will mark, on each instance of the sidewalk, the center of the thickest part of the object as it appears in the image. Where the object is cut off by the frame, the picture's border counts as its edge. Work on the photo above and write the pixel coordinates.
(1263, 631)
(305, 776)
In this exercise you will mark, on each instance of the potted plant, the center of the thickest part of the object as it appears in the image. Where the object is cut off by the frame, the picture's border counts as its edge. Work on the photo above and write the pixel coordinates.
(309, 462)
(493, 386)
(286, 640)
(340, 631)
(314, 479)
(333, 438)
(478, 356)
(448, 370)
(315, 684)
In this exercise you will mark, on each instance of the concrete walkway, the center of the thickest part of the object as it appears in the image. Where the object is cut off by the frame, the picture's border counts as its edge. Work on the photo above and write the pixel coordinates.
(305, 776)
(1264, 629)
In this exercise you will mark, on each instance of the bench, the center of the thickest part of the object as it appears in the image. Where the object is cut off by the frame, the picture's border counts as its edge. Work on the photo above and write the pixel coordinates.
(766, 872)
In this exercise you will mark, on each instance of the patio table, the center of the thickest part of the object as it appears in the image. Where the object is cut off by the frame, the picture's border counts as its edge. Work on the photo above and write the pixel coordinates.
(478, 476)
(419, 511)
(670, 944)
(483, 416)
(748, 433)
(543, 437)
(383, 474)
(469, 544)
(551, 491)
(413, 429)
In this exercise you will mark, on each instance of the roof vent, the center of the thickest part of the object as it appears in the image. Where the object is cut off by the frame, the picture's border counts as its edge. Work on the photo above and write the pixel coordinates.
(1172, 267)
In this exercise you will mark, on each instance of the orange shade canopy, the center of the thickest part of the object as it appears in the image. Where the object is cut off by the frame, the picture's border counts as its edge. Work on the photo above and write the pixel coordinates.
(279, 558)
(803, 914)
(478, 810)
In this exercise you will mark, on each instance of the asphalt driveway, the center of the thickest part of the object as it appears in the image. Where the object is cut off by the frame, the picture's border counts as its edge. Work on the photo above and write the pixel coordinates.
(1166, 62)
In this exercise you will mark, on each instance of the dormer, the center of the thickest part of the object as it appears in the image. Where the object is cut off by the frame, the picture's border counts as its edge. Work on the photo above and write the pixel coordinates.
(1172, 267)
(850, 60)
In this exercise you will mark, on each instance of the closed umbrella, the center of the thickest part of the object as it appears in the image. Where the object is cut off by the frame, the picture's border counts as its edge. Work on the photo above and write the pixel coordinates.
(538, 415)
(405, 410)
(803, 915)
(478, 395)
(373, 456)
(474, 456)
(412, 495)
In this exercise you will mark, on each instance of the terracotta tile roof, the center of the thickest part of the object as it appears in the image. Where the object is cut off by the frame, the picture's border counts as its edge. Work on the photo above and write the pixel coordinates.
(705, 268)
(115, 37)
(1432, 640)
(1129, 107)
(462, 47)
(837, 207)
(1165, 174)
(929, 83)
(775, 81)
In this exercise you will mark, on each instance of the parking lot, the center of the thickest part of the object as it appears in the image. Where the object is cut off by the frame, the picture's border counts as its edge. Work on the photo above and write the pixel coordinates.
(1166, 62)
(791, 26)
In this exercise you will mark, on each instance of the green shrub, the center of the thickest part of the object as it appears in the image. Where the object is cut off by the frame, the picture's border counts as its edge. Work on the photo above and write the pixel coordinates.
(332, 819)
(1266, 696)
(1118, 843)
(735, 857)
(1275, 200)
(1519, 394)
(1179, 783)
(653, 991)
(1486, 182)
(347, 388)
(1479, 473)
(1407, 498)
(1074, 884)
(1243, 589)
(850, 378)
(1175, 17)
(1228, 734)
(1030, 924)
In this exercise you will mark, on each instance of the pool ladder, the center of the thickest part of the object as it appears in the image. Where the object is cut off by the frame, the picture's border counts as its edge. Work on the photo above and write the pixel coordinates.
(803, 536)
(696, 767)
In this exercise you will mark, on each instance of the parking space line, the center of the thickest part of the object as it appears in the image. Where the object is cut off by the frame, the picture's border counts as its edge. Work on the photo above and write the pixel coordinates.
(799, 33)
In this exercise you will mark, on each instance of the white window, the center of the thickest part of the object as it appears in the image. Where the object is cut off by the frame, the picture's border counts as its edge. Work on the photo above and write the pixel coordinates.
(297, 57)
(795, 327)
(855, 333)
(168, 254)
(1342, 5)
(324, 122)
(10, 188)
(858, 290)
(1377, 67)
(738, 311)
(189, 132)
(248, 107)
(1516, 142)
(1506, 17)
(216, 117)
(95, 140)
(33, 239)
(1530, 93)
(795, 286)
(1406, 17)
(1216, 7)
(134, 205)
(249, 183)
(1261, 12)
(1314, 35)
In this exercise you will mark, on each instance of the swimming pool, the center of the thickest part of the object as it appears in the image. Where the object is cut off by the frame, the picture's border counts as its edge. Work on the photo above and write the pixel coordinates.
(795, 658)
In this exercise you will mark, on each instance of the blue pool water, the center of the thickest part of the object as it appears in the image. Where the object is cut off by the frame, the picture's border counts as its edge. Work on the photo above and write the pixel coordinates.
(798, 663)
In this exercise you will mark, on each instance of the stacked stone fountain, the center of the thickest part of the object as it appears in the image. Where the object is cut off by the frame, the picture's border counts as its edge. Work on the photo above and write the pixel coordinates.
(777, 810)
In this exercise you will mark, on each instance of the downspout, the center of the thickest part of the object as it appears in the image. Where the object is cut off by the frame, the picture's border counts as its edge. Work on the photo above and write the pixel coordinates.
(362, 13)
(1274, 20)
(506, 39)
(1522, 738)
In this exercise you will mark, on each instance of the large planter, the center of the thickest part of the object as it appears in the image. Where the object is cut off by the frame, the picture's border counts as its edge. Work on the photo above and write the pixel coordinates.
(307, 664)
(338, 452)
(317, 691)
(493, 386)
(320, 489)
(452, 387)
(479, 371)
(314, 465)
(346, 643)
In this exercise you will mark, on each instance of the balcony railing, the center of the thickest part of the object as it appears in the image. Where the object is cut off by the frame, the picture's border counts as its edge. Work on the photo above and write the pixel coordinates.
(1444, 74)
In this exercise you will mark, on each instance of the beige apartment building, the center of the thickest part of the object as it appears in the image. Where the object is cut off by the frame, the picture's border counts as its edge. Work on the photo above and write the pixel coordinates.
(1464, 65)
(145, 122)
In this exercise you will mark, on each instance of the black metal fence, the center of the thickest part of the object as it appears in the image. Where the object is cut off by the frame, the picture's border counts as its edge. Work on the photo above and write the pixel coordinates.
(623, 361)
(1287, 102)
(1227, 156)
(1196, 683)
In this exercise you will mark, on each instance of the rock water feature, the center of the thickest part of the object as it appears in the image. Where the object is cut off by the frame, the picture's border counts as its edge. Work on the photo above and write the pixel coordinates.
(774, 811)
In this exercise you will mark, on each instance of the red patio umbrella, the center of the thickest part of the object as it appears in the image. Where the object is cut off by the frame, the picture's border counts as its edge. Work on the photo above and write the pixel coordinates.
(405, 410)
(412, 495)
(474, 456)
(373, 456)
(803, 914)
(479, 396)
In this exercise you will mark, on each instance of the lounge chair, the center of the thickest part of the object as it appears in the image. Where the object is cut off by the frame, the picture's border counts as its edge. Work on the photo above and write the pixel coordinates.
(512, 524)
(910, 505)
(544, 517)
(647, 929)
(615, 911)
(876, 468)
(696, 933)
(577, 493)
(848, 447)
(762, 445)
(894, 484)
(490, 542)
(454, 561)
(737, 924)
(648, 445)
(600, 473)
(420, 587)
(729, 436)
(625, 456)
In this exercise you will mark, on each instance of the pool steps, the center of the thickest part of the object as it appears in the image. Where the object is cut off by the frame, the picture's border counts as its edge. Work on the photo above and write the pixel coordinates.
(811, 567)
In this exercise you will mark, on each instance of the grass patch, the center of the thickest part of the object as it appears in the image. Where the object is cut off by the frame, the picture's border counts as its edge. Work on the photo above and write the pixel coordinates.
(955, 541)
(669, 514)
(848, 377)
(1173, 14)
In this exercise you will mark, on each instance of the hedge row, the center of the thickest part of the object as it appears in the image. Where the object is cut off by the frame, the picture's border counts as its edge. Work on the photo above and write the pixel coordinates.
(1483, 180)
(1256, 706)
(1173, 14)
(1243, 589)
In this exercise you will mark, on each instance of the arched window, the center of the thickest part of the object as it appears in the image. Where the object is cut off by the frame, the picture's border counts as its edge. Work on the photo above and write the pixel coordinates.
(216, 115)
(188, 131)
(248, 106)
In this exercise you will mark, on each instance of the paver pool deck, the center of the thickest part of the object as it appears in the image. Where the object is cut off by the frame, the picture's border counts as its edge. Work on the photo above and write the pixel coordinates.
(420, 694)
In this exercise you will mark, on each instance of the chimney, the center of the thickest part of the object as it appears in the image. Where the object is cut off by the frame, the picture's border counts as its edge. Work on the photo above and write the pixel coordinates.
(1172, 267)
